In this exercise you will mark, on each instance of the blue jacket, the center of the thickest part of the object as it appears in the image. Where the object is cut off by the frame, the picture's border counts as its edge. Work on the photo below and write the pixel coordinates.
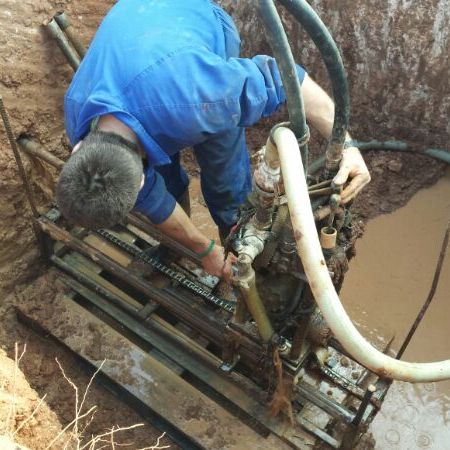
(162, 68)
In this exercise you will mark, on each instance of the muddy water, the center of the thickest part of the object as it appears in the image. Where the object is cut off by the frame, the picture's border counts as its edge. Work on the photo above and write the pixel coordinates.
(387, 284)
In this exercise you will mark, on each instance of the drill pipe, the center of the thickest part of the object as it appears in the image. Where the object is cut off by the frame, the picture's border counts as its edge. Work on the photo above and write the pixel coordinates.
(32, 148)
(63, 43)
(64, 23)
(37, 232)
(247, 285)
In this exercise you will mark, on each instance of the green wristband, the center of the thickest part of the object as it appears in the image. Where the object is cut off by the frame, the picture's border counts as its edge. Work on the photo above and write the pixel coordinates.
(208, 250)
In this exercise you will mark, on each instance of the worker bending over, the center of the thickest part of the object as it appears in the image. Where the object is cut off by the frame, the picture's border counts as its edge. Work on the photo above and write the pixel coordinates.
(161, 76)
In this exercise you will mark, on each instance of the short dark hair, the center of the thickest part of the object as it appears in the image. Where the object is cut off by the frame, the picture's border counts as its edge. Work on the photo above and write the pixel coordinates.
(99, 184)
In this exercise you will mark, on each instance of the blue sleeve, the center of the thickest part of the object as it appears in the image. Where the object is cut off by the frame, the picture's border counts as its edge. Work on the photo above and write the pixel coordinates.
(197, 93)
(71, 112)
(154, 200)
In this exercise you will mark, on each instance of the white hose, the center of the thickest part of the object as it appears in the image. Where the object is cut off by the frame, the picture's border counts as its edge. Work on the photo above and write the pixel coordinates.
(308, 246)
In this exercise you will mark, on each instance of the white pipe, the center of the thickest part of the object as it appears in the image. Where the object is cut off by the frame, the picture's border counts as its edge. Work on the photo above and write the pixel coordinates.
(308, 246)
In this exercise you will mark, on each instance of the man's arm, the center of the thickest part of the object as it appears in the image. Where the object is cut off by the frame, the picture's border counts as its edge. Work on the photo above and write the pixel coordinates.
(179, 227)
(319, 110)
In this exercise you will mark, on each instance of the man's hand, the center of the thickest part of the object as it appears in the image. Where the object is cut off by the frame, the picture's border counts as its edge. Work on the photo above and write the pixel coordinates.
(354, 169)
(215, 263)
(319, 110)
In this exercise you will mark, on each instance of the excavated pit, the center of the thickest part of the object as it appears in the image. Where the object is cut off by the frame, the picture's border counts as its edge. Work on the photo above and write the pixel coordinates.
(397, 57)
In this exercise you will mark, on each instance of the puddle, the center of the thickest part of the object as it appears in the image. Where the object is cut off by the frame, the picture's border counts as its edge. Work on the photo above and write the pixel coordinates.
(387, 284)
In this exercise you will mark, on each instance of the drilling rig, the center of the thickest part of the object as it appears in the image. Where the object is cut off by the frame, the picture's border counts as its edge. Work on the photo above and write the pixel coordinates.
(274, 363)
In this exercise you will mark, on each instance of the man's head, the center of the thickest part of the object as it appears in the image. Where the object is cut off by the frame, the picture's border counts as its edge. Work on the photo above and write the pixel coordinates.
(99, 184)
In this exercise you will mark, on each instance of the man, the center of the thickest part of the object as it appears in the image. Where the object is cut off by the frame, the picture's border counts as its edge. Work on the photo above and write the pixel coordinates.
(161, 76)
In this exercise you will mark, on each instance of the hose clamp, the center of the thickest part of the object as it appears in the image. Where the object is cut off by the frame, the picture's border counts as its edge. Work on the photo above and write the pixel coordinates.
(275, 127)
(302, 140)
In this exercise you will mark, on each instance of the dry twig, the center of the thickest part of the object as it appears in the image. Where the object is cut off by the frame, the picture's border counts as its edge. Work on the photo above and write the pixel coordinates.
(96, 442)
(12, 407)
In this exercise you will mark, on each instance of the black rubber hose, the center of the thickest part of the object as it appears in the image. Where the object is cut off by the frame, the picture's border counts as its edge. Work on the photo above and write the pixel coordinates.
(286, 64)
(323, 40)
(393, 146)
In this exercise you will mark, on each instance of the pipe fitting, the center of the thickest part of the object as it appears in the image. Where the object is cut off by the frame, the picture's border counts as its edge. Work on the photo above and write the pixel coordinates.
(267, 173)
(252, 243)
(328, 237)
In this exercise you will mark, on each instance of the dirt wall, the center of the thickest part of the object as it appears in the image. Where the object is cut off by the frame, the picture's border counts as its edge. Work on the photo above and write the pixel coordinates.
(396, 53)
(397, 56)
(33, 79)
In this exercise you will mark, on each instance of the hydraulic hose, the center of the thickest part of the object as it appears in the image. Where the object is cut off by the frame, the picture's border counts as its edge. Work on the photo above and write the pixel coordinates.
(323, 40)
(399, 146)
(283, 55)
(308, 247)
(393, 146)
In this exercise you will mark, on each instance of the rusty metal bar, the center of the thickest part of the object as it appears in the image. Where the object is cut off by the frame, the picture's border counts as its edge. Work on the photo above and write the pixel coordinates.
(12, 142)
(423, 310)
(144, 224)
(324, 402)
(321, 191)
(316, 431)
(371, 389)
(33, 148)
(346, 385)
(37, 232)
(89, 283)
(64, 23)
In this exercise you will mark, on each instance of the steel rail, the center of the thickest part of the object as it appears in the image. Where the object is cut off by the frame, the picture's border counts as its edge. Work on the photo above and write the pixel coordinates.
(434, 284)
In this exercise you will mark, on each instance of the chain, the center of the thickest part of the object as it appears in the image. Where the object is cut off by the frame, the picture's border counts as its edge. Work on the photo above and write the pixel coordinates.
(178, 277)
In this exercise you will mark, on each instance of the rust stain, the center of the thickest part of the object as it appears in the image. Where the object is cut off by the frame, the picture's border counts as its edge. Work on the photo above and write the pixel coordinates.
(298, 235)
